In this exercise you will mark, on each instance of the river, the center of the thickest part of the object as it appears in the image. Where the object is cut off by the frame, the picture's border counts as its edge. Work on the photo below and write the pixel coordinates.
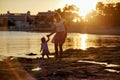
(18, 44)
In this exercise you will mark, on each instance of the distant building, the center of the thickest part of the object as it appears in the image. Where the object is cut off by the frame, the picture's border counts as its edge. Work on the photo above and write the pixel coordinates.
(44, 20)
(3, 23)
(21, 21)
(25, 21)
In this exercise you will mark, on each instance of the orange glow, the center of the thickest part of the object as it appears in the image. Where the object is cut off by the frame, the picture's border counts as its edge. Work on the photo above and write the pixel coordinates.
(76, 20)
(84, 5)
(83, 41)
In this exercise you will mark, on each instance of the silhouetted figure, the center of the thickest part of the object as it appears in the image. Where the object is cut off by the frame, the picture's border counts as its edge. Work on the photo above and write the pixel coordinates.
(60, 30)
(44, 47)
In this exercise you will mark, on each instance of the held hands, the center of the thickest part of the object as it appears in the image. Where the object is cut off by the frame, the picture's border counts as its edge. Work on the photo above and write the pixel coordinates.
(48, 36)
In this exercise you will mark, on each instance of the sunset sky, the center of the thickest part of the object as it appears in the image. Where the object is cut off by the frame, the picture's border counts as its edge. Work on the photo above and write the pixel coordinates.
(35, 6)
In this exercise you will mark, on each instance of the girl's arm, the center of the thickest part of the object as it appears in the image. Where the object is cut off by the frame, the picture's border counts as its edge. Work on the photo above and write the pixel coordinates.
(41, 48)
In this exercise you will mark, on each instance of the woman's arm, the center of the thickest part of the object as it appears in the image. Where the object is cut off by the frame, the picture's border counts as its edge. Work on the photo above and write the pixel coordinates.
(48, 39)
(65, 25)
(53, 31)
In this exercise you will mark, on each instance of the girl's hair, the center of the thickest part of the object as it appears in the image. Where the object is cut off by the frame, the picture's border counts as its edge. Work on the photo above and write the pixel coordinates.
(43, 39)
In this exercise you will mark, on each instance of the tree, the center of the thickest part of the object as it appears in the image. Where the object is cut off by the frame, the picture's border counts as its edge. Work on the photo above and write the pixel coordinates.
(99, 7)
(71, 8)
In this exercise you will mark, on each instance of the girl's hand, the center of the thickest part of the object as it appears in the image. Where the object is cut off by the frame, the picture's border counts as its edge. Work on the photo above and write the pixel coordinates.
(40, 50)
(48, 36)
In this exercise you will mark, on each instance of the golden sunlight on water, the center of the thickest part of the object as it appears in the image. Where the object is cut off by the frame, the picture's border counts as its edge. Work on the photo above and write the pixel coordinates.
(77, 41)
(83, 41)
(22, 43)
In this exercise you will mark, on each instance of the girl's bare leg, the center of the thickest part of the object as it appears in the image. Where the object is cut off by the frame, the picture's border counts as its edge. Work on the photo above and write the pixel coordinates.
(43, 56)
(47, 56)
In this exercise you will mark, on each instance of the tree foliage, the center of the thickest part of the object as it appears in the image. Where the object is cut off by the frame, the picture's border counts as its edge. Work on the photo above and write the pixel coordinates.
(106, 15)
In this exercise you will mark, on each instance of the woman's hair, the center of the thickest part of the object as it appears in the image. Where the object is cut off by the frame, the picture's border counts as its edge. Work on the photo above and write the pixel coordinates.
(57, 15)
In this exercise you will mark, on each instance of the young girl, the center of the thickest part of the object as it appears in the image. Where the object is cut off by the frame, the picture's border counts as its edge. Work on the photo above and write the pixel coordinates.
(59, 27)
(44, 47)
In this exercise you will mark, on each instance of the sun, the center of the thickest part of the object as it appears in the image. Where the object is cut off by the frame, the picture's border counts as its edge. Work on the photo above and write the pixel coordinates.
(85, 6)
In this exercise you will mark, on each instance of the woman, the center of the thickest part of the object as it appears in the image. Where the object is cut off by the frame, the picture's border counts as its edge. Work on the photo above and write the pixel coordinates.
(59, 27)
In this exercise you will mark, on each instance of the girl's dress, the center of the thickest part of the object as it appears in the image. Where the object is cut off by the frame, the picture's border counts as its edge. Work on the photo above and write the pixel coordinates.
(44, 47)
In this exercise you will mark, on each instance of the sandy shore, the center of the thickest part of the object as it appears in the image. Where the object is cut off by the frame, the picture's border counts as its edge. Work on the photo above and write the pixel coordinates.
(91, 64)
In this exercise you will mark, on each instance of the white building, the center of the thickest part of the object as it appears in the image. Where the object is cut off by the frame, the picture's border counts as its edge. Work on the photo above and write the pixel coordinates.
(24, 21)
(20, 20)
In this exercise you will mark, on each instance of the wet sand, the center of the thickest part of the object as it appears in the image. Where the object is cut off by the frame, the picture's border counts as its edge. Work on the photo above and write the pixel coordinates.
(91, 64)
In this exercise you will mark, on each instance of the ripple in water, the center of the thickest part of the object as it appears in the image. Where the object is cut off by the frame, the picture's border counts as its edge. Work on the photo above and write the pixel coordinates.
(103, 63)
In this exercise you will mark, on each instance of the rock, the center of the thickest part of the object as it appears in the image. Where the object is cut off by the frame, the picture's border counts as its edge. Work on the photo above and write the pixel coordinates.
(31, 54)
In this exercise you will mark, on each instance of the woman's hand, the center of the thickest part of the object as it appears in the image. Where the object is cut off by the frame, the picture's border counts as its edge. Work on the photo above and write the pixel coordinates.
(48, 36)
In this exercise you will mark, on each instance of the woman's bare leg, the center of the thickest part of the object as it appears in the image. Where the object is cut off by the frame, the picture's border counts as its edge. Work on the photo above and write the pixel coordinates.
(56, 51)
(61, 50)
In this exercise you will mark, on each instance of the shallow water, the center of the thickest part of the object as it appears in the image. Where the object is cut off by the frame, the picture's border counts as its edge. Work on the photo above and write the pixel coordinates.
(105, 64)
(36, 69)
(112, 70)
(21, 43)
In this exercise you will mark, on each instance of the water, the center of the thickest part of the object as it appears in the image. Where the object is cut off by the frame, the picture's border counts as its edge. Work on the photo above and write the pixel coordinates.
(103, 63)
(21, 43)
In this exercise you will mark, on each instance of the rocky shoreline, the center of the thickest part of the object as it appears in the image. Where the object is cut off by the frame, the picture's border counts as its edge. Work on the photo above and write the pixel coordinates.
(92, 64)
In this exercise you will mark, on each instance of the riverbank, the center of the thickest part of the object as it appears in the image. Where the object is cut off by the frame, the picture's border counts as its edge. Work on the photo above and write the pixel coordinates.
(103, 30)
(95, 30)
(92, 64)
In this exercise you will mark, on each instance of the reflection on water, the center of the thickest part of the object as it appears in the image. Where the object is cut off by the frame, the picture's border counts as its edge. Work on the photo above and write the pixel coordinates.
(83, 41)
(103, 63)
(21, 43)
(36, 69)
(2, 58)
(77, 41)
(112, 70)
